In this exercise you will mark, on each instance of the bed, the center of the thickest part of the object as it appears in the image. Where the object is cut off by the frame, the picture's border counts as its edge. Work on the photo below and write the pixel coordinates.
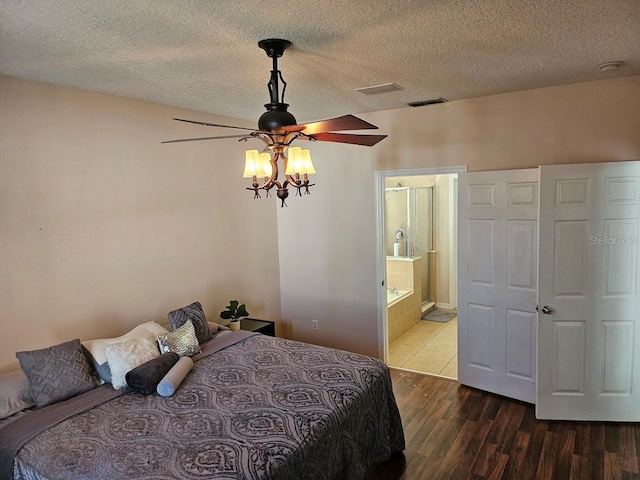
(252, 407)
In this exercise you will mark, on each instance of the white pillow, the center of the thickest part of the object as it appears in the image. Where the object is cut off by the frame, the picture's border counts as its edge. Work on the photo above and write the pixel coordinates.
(215, 327)
(126, 356)
(96, 347)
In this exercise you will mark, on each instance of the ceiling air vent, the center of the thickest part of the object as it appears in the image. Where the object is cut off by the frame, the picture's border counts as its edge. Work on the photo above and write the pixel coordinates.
(431, 101)
(378, 89)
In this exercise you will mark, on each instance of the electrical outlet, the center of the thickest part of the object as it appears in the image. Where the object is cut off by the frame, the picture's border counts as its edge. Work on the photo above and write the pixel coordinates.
(314, 324)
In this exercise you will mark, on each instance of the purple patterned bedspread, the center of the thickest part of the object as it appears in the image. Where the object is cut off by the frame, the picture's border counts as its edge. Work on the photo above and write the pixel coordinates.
(263, 407)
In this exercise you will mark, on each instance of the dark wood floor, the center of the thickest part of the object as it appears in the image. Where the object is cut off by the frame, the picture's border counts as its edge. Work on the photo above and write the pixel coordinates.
(455, 432)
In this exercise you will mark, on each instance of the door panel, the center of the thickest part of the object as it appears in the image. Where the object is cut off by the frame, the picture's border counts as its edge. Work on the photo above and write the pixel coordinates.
(589, 343)
(497, 281)
(521, 345)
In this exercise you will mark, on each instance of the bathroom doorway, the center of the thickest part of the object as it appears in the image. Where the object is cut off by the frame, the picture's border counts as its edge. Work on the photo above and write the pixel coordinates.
(417, 237)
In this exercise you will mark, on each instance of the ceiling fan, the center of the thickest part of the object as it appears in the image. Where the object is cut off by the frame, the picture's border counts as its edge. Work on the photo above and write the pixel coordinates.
(278, 128)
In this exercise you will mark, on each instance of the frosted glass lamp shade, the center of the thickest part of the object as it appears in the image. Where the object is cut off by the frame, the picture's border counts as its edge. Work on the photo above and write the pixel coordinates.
(299, 161)
(250, 163)
(253, 166)
(307, 164)
(292, 159)
(265, 163)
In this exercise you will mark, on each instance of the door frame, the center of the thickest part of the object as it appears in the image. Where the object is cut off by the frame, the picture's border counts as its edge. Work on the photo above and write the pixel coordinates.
(381, 257)
(453, 234)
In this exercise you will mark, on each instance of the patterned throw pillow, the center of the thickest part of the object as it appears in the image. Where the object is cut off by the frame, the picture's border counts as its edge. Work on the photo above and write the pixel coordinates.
(182, 341)
(192, 312)
(57, 373)
(126, 356)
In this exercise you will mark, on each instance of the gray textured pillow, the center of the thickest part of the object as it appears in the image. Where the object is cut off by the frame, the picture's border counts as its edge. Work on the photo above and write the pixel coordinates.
(182, 341)
(192, 312)
(57, 373)
(14, 393)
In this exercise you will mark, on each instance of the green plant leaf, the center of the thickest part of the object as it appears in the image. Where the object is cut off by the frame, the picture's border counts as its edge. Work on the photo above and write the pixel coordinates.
(234, 311)
(242, 311)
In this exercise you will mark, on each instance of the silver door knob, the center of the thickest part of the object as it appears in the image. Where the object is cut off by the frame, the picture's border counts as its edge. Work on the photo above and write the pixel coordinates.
(547, 310)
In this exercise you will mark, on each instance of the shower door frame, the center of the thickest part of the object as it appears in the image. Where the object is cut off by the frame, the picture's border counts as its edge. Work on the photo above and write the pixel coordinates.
(381, 254)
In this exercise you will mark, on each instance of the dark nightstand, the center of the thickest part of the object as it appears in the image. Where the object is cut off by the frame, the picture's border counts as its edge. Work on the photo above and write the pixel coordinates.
(266, 327)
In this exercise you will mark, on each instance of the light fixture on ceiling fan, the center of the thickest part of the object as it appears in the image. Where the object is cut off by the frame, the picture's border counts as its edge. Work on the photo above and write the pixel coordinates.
(278, 128)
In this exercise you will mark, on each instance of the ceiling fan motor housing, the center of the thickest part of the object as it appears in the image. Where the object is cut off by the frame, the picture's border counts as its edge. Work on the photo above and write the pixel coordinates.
(276, 117)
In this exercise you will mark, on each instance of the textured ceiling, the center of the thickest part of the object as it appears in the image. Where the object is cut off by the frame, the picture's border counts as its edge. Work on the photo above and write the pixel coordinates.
(203, 55)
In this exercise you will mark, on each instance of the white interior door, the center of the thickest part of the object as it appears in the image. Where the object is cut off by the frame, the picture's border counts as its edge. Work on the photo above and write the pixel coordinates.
(497, 275)
(589, 342)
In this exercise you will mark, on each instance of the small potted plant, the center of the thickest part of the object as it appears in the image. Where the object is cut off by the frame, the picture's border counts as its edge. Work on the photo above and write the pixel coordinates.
(233, 313)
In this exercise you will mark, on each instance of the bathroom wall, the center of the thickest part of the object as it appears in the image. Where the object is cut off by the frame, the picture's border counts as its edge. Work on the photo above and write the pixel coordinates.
(444, 243)
(395, 218)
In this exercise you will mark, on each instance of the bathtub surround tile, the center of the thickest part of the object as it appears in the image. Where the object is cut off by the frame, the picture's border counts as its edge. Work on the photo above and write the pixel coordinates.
(403, 274)
(427, 347)
(403, 315)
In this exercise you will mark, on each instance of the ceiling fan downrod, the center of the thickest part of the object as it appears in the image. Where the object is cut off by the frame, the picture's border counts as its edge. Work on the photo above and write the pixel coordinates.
(276, 115)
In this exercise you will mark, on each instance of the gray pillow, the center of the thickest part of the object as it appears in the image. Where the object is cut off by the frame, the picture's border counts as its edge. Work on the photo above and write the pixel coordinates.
(57, 373)
(14, 393)
(192, 312)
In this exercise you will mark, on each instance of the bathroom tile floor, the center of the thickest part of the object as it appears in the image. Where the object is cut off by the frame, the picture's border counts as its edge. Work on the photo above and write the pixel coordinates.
(427, 347)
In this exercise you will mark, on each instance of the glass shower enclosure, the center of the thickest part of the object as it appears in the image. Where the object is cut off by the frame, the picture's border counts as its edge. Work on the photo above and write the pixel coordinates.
(409, 228)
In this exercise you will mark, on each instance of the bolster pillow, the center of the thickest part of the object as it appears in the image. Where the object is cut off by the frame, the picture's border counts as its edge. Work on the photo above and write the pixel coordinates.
(145, 378)
(172, 380)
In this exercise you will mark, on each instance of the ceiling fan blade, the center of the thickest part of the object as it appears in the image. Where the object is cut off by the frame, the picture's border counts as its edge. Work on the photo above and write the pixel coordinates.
(352, 138)
(206, 138)
(346, 122)
(207, 124)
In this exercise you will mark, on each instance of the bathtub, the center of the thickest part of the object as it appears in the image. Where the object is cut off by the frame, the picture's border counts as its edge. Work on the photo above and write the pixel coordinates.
(395, 296)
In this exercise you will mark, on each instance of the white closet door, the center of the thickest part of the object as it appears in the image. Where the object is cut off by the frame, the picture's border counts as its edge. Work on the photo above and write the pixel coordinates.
(589, 341)
(497, 275)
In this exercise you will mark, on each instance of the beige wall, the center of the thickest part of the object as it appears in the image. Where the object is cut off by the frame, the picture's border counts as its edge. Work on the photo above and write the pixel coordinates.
(443, 240)
(103, 228)
(327, 246)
